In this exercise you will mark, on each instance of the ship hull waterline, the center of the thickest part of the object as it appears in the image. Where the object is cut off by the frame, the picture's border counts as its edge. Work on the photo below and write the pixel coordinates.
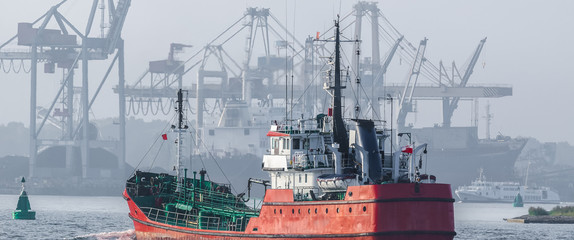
(389, 211)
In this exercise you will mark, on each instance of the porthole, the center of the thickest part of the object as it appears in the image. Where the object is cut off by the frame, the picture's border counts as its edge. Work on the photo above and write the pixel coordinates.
(299, 211)
(350, 209)
(326, 210)
(275, 211)
(350, 194)
(292, 211)
(337, 210)
(315, 211)
(364, 209)
(280, 211)
(309, 210)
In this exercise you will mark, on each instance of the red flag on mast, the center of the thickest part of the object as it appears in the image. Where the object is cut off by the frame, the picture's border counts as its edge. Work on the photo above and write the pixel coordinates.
(407, 149)
(164, 136)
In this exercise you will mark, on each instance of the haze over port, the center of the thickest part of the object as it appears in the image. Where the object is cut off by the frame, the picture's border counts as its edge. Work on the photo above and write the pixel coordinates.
(230, 127)
(528, 47)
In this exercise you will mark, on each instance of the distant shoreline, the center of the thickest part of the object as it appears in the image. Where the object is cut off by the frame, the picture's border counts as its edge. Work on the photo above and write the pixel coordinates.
(542, 219)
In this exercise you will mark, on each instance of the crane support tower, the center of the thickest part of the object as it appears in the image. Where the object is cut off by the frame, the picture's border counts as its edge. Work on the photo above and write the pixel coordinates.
(65, 48)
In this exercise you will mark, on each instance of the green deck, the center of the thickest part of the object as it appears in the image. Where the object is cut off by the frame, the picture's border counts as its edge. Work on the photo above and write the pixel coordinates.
(193, 203)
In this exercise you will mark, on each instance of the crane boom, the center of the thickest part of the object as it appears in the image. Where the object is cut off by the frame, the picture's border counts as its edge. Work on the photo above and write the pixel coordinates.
(450, 105)
(391, 55)
(380, 78)
(117, 23)
(405, 103)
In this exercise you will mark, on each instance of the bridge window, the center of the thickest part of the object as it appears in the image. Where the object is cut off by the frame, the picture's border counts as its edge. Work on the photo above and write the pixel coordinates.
(296, 143)
(305, 177)
(285, 143)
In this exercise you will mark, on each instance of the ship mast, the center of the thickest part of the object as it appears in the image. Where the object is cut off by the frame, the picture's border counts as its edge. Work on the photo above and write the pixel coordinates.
(179, 129)
(339, 130)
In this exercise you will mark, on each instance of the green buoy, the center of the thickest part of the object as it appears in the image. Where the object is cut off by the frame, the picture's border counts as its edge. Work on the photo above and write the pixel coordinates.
(23, 210)
(518, 201)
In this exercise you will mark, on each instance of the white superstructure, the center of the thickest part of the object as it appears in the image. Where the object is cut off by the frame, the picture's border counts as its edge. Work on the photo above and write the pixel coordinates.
(481, 190)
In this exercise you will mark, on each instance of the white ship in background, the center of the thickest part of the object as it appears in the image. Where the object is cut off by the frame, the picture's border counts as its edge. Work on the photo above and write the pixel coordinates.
(481, 190)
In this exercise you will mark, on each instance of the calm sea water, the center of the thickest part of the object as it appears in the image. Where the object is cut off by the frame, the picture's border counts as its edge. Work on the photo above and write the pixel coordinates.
(65, 217)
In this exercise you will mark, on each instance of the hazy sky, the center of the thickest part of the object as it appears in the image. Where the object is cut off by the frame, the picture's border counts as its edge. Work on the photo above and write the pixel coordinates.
(530, 46)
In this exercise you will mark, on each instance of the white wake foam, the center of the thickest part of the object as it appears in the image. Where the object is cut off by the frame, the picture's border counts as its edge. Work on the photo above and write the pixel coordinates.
(123, 235)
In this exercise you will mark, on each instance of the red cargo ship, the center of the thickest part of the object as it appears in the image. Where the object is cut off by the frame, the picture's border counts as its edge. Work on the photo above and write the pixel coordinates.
(329, 179)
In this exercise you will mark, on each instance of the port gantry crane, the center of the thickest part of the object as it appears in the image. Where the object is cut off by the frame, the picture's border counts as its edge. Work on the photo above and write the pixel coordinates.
(451, 103)
(450, 88)
(59, 48)
(240, 79)
(228, 78)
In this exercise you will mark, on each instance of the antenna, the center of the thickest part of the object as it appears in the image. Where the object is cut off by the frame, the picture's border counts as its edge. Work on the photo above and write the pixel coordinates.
(292, 56)
(286, 67)
(358, 80)
(389, 97)
(180, 129)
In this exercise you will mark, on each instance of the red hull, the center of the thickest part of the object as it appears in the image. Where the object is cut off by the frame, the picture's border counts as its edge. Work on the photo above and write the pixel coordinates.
(388, 211)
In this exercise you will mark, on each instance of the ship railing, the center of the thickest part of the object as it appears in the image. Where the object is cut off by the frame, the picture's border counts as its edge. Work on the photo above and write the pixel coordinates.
(131, 187)
(238, 225)
(212, 199)
(381, 125)
(307, 161)
(139, 189)
(303, 192)
(295, 126)
(190, 219)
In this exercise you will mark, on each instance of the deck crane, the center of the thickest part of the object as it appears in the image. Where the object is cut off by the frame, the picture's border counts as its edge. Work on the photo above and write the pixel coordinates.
(449, 104)
(406, 102)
